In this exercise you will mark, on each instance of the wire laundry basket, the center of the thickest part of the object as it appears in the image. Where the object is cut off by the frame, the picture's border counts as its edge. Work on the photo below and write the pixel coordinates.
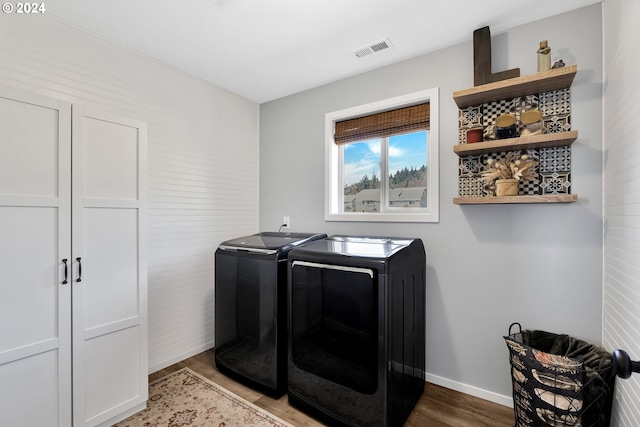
(559, 380)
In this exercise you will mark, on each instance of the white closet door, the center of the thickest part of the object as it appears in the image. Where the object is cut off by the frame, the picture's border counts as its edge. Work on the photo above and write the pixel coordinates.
(35, 221)
(109, 265)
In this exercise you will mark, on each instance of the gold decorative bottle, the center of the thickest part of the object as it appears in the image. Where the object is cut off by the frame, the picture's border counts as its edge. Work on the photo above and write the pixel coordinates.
(544, 56)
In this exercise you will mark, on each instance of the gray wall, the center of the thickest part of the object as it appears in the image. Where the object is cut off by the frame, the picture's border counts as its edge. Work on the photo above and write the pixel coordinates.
(488, 265)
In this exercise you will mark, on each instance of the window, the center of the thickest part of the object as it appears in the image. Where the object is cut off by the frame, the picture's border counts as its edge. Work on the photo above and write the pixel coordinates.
(378, 170)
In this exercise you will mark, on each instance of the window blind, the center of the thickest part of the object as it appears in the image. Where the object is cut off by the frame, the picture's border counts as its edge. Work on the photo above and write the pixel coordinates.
(382, 125)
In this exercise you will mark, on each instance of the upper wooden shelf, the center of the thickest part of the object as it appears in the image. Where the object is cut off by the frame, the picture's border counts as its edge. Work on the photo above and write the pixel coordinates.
(560, 139)
(560, 78)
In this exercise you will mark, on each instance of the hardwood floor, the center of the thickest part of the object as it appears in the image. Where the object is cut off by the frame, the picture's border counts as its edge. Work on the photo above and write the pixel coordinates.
(438, 406)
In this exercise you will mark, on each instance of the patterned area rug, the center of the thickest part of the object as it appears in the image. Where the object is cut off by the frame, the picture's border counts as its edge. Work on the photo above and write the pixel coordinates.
(185, 398)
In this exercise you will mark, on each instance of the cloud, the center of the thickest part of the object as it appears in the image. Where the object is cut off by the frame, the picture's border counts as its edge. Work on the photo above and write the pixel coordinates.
(396, 152)
(354, 171)
(374, 147)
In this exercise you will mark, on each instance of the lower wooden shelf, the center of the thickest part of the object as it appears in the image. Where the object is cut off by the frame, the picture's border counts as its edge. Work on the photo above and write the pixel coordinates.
(548, 198)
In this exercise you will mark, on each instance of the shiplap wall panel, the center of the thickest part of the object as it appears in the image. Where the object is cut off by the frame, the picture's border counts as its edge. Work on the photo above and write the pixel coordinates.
(202, 161)
(621, 305)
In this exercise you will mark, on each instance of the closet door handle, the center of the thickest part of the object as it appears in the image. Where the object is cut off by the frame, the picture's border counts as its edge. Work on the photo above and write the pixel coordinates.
(66, 271)
(79, 279)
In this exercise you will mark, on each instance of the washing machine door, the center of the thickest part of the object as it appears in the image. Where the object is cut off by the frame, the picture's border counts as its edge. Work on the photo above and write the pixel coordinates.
(269, 243)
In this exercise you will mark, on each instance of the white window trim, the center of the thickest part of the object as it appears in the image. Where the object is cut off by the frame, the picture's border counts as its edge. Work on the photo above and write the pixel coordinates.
(334, 194)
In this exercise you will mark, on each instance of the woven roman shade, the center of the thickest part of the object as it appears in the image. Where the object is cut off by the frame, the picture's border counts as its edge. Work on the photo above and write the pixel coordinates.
(382, 125)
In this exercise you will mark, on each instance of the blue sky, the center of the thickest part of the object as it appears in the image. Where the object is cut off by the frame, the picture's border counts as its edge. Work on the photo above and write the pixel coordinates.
(360, 159)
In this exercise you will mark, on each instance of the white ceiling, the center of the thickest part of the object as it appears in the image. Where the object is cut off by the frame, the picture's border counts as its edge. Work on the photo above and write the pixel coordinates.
(267, 49)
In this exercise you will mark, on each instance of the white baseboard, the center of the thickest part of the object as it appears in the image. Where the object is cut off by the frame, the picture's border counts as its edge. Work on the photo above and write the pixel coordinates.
(180, 357)
(434, 379)
(471, 390)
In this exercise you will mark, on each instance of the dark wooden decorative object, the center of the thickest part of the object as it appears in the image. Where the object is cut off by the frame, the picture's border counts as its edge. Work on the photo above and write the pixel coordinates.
(482, 60)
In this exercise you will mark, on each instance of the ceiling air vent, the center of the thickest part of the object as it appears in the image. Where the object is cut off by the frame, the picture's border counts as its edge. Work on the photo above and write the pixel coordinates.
(373, 48)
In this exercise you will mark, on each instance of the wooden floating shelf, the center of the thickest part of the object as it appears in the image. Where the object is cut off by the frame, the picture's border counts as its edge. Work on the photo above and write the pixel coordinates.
(560, 139)
(559, 78)
(548, 198)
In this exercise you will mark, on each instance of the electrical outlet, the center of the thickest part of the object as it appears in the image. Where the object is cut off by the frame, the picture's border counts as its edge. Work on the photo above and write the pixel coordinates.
(286, 223)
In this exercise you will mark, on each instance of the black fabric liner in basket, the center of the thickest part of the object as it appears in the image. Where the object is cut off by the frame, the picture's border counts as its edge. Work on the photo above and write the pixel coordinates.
(559, 380)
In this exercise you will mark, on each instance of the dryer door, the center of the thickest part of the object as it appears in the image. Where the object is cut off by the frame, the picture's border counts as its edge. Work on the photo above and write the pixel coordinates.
(334, 323)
